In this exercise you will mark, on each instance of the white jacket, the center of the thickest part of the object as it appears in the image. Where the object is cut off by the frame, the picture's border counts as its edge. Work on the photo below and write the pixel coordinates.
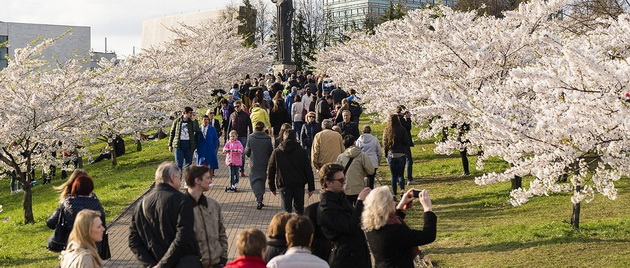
(370, 146)
(296, 111)
(297, 257)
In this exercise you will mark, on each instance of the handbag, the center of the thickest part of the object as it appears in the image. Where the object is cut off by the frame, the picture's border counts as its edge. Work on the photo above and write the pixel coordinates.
(58, 240)
(104, 251)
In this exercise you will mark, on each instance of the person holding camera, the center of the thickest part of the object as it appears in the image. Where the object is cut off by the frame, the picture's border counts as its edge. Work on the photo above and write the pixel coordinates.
(392, 242)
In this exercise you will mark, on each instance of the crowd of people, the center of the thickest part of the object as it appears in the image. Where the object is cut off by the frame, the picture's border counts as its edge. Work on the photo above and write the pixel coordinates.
(308, 126)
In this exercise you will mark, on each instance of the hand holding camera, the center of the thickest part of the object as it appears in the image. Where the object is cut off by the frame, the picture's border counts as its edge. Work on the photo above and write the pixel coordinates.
(406, 201)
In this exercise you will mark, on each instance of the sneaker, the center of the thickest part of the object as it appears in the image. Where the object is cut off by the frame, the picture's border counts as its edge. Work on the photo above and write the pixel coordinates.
(260, 205)
(243, 174)
(227, 188)
(234, 189)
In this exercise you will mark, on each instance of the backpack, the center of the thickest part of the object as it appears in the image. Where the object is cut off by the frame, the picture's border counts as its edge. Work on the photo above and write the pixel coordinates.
(355, 108)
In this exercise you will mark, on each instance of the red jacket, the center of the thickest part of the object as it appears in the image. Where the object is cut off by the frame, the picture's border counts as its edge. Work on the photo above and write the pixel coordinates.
(246, 262)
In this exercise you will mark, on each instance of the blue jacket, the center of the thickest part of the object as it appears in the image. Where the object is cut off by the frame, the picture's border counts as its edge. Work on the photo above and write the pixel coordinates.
(207, 147)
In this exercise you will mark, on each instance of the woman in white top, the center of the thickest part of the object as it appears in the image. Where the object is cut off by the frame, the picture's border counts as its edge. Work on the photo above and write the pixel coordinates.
(297, 112)
(81, 250)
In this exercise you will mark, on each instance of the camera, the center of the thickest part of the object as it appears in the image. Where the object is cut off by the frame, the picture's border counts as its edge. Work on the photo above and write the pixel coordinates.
(416, 193)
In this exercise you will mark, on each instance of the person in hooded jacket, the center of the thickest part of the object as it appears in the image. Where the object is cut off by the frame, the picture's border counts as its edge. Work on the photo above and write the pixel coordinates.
(360, 166)
(370, 146)
(289, 169)
(258, 149)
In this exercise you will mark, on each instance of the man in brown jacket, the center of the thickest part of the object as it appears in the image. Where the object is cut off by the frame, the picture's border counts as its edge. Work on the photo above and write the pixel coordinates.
(209, 228)
(327, 145)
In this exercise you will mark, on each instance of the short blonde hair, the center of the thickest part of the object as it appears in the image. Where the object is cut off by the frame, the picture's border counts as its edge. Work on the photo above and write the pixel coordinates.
(251, 242)
(376, 209)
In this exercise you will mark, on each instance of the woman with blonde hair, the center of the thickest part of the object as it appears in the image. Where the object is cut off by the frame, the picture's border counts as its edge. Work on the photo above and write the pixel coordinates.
(81, 250)
(392, 242)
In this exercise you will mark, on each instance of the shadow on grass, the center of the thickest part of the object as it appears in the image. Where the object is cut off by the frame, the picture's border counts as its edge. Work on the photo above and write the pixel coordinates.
(510, 246)
(443, 179)
(8, 261)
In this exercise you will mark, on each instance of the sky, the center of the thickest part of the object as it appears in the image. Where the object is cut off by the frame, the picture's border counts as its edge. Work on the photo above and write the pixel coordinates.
(120, 21)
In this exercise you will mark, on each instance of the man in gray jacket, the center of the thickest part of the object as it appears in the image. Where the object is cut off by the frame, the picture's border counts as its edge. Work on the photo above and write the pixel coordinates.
(258, 149)
(209, 229)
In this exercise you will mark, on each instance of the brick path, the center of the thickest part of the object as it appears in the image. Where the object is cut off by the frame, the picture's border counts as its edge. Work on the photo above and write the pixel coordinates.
(238, 209)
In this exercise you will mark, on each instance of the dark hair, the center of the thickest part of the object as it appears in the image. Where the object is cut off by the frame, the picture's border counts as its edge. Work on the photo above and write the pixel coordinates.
(327, 172)
(188, 109)
(299, 231)
(82, 185)
(328, 97)
(235, 85)
(367, 129)
(348, 140)
(289, 134)
(192, 172)
(259, 126)
(297, 98)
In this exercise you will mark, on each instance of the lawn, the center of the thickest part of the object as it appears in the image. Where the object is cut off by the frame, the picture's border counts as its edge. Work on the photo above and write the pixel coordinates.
(477, 227)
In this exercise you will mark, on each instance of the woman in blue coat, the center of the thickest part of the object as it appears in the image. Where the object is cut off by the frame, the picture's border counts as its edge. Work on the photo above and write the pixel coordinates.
(207, 143)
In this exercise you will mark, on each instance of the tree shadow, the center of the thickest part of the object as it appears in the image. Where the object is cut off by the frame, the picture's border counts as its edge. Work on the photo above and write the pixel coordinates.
(510, 246)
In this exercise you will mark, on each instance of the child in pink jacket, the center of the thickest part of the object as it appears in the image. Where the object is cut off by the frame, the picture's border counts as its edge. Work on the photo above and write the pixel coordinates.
(233, 150)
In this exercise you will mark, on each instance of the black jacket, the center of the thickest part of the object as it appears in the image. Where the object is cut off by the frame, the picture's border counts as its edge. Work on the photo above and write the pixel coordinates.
(275, 247)
(402, 141)
(322, 110)
(161, 228)
(349, 129)
(341, 223)
(289, 168)
(392, 244)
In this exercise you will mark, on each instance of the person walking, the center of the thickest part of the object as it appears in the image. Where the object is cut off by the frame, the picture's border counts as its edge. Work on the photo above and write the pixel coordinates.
(161, 231)
(233, 150)
(356, 166)
(209, 229)
(81, 252)
(242, 124)
(299, 237)
(289, 170)
(308, 132)
(372, 147)
(80, 197)
(207, 144)
(340, 222)
(327, 145)
(258, 149)
(395, 142)
(182, 138)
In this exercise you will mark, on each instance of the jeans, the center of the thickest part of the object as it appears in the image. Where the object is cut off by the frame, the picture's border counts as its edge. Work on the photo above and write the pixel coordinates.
(297, 126)
(234, 175)
(295, 197)
(258, 187)
(409, 161)
(183, 154)
(243, 141)
(397, 168)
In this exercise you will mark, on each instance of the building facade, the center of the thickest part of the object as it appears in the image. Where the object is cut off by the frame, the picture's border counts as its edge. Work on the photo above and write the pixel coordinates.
(347, 15)
(74, 44)
(156, 31)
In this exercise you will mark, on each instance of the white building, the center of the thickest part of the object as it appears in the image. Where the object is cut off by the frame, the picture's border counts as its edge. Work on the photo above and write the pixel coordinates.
(346, 15)
(75, 43)
(156, 31)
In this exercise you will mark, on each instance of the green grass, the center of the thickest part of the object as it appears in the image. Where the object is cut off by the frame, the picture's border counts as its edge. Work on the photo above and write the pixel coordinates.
(24, 245)
(477, 227)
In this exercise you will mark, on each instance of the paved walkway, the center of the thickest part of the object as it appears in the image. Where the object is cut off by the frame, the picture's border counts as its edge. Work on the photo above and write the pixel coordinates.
(238, 209)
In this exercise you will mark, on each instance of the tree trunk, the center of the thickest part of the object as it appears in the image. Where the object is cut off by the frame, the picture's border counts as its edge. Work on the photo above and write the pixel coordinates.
(575, 217)
(517, 182)
(112, 151)
(464, 155)
(25, 180)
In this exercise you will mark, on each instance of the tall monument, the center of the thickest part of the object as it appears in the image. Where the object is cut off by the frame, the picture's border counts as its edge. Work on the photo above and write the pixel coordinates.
(284, 20)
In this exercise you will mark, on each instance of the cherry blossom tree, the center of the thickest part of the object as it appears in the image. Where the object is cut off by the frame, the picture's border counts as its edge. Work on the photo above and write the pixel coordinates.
(41, 105)
(504, 79)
